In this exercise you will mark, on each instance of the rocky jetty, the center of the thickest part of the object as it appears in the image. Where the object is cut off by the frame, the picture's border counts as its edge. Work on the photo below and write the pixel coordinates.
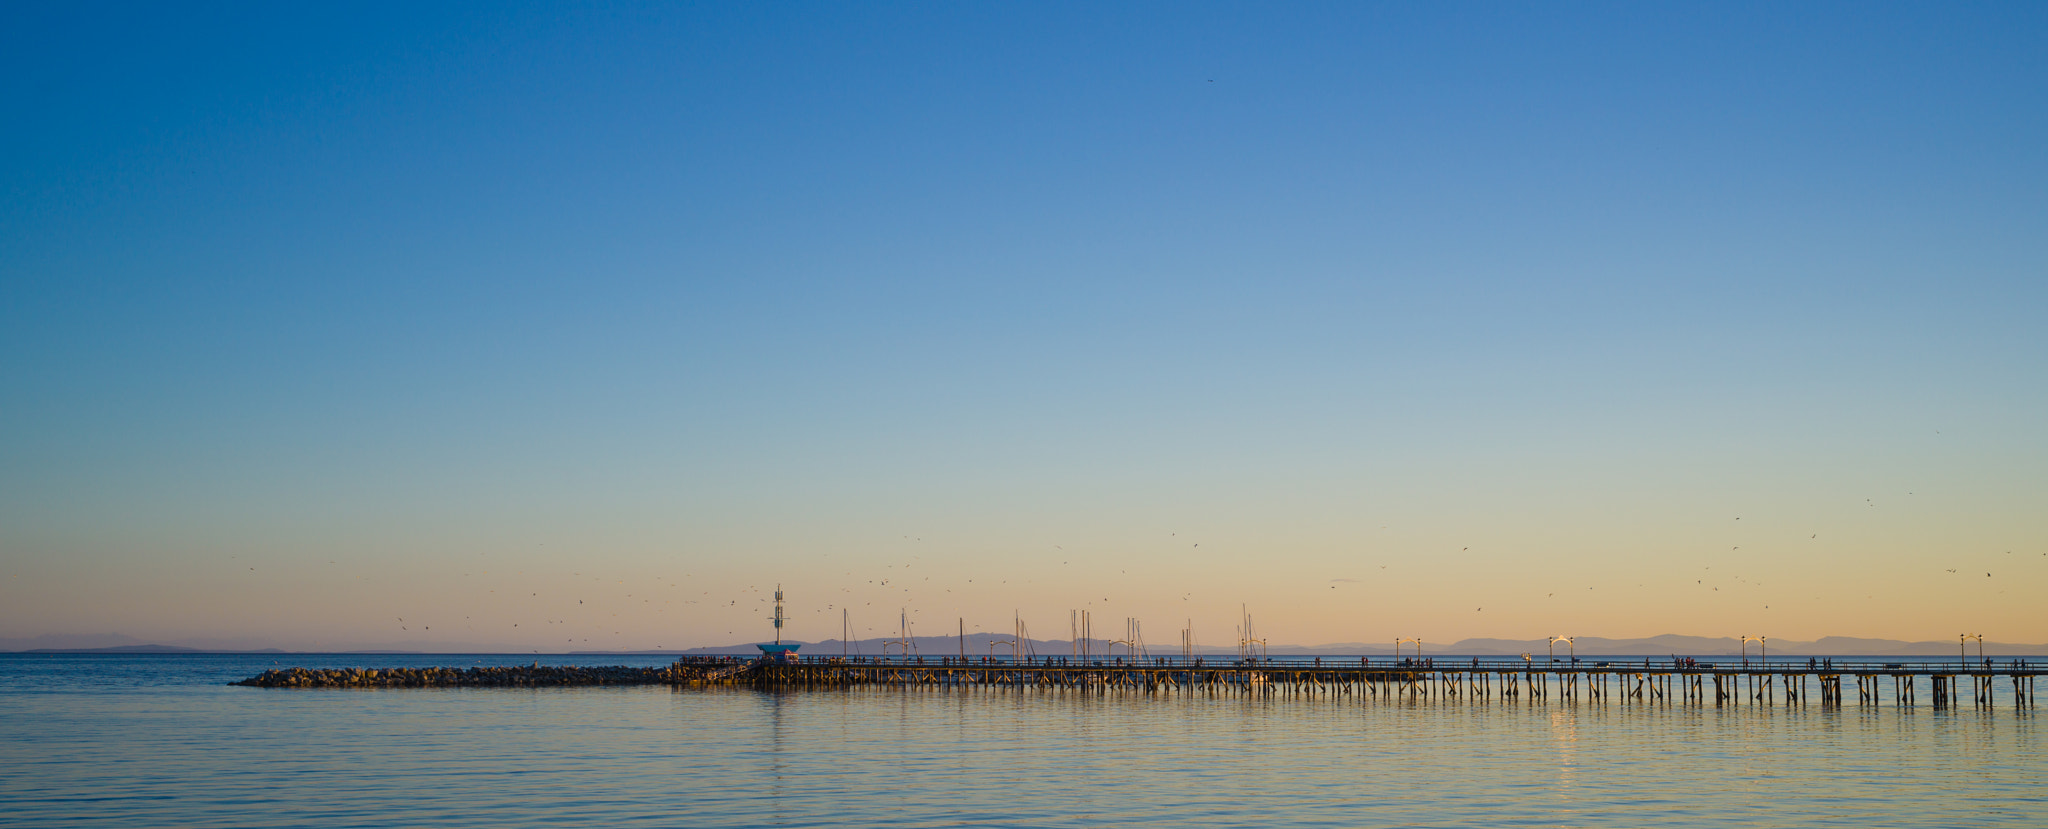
(535, 676)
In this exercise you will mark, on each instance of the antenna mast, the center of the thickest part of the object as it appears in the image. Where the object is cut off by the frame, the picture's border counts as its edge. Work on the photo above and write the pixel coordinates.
(778, 614)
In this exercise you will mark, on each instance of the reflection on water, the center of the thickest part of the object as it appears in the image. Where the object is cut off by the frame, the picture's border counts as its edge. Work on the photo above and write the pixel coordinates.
(197, 753)
(1562, 725)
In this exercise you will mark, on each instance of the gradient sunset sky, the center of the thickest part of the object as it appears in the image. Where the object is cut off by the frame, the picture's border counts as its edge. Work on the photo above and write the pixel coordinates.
(1383, 320)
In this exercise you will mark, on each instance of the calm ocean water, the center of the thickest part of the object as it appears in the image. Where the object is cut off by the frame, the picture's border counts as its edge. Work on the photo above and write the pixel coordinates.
(139, 741)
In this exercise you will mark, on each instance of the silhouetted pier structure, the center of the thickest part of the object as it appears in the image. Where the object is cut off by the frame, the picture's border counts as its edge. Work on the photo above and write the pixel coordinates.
(1825, 682)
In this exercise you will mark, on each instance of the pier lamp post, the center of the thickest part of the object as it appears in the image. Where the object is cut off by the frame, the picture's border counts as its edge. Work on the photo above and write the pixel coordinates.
(1570, 649)
(1963, 642)
(1763, 650)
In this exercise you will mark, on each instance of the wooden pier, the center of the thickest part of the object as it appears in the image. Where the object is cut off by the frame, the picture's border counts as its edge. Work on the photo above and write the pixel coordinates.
(1621, 680)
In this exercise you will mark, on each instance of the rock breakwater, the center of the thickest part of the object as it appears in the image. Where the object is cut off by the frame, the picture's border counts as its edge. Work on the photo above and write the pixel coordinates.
(534, 676)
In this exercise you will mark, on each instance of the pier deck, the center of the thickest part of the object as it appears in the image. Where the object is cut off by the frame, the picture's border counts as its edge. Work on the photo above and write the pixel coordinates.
(1721, 682)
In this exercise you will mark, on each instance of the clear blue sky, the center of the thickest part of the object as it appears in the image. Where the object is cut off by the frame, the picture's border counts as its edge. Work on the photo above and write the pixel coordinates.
(1398, 310)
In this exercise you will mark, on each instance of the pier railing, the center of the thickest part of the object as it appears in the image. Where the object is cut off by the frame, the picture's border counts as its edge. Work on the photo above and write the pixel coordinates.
(1671, 679)
(2021, 666)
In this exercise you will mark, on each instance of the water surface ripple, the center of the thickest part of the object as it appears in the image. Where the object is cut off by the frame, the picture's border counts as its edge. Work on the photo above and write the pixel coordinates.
(162, 741)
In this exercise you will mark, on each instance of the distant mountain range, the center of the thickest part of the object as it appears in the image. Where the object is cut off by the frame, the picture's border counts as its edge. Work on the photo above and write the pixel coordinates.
(985, 644)
(116, 643)
(145, 649)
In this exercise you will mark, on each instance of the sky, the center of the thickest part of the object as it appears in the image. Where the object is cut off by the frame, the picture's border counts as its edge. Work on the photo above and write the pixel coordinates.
(582, 326)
